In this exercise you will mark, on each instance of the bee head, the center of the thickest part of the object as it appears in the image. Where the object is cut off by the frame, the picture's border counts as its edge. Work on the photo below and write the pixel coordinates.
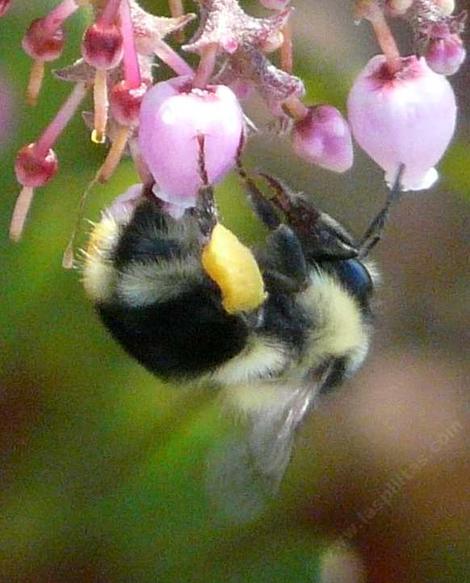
(315, 239)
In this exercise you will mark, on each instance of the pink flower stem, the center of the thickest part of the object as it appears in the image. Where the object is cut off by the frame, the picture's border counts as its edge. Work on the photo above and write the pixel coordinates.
(375, 15)
(206, 66)
(36, 78)
(176, 8)
(58, 15)
(108, 16)
(131, 63)
(20, 212)
(62, 118)
(286, 52)
(101, 103)
(114, 155)
(176, 11)
(171, 58)
(294, 107)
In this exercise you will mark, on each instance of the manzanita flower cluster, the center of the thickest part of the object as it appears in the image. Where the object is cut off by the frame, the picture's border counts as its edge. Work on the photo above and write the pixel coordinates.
(401, 109)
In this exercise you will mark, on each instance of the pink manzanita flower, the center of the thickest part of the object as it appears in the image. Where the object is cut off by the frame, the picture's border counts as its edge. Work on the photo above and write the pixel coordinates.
(36, 164)
(403, 118)
(102, 45)
(445, 51)
(44, 42)
(173, 115)
(323, 137)
(125, 102)
(4, 6)
(35, 169)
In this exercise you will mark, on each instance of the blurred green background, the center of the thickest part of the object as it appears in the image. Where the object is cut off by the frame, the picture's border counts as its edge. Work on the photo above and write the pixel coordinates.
(103, 469)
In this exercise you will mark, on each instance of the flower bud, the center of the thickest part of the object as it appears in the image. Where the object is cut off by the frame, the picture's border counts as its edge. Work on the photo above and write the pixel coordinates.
(323, 137)
(445, 52)
(125, 102)
(33, 169)
(102, 46)
(41, 43)
(403, 118)
(172, 117)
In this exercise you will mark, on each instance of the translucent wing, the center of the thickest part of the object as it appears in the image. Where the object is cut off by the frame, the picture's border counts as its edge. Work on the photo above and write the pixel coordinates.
(245, 472)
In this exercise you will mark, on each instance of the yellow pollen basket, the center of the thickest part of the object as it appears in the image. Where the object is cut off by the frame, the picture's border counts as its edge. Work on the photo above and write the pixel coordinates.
(234, 269)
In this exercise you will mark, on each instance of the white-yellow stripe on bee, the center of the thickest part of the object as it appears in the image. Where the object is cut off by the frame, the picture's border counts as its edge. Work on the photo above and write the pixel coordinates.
(245, 399)
(261, 358)
(339, 328)
(141, 284)
(98, 272)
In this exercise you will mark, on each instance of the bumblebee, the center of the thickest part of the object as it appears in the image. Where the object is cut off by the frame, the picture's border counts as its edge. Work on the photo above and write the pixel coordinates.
(273, 351)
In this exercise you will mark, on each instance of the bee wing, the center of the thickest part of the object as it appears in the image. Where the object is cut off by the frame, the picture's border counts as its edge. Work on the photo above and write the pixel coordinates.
(271, 434)
(245, 472)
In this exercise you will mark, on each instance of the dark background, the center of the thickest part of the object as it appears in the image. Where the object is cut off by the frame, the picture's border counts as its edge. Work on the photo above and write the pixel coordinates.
(103, 467)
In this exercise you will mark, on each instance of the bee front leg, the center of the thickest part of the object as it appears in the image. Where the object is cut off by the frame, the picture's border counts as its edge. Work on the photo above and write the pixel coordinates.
(205, 210)
(289, 272)
(285, 249)
(262, 207)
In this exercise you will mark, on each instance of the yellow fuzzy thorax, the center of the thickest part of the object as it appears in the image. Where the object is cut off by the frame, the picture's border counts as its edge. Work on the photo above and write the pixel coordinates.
(233, 267)
(98, 271)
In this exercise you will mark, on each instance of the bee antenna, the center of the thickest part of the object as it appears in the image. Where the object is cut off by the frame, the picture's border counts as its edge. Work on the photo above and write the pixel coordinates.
(374, 231)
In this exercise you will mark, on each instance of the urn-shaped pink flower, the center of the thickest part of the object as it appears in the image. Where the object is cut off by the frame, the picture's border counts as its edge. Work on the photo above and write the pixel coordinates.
(323, 137)
(406, 118)
(445, 53)
(173, 116)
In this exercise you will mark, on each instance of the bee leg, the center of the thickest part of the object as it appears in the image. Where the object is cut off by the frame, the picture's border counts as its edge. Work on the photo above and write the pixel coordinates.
(205, 209)
(374, 232)
(261, 206)
(324, 236)
(300, 215)
(291, 270)
(291, 266)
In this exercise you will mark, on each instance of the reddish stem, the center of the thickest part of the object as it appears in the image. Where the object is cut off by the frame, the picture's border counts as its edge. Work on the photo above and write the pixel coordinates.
(58, 15)
(131, 63)
(20, 212)
(206, 66)
(114, 155)
(287, 59)
(100, 97)
(62, 118)
(375, 15)
(176, 11)
(36, 77)
(171, 58)
(108, 16)
(295, 108)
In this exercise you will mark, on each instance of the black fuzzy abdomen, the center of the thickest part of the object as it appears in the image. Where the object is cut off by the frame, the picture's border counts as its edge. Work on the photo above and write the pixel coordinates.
(183, 337)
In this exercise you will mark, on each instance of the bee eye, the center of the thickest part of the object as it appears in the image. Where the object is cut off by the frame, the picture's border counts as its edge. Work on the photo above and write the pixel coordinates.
(355, 277)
